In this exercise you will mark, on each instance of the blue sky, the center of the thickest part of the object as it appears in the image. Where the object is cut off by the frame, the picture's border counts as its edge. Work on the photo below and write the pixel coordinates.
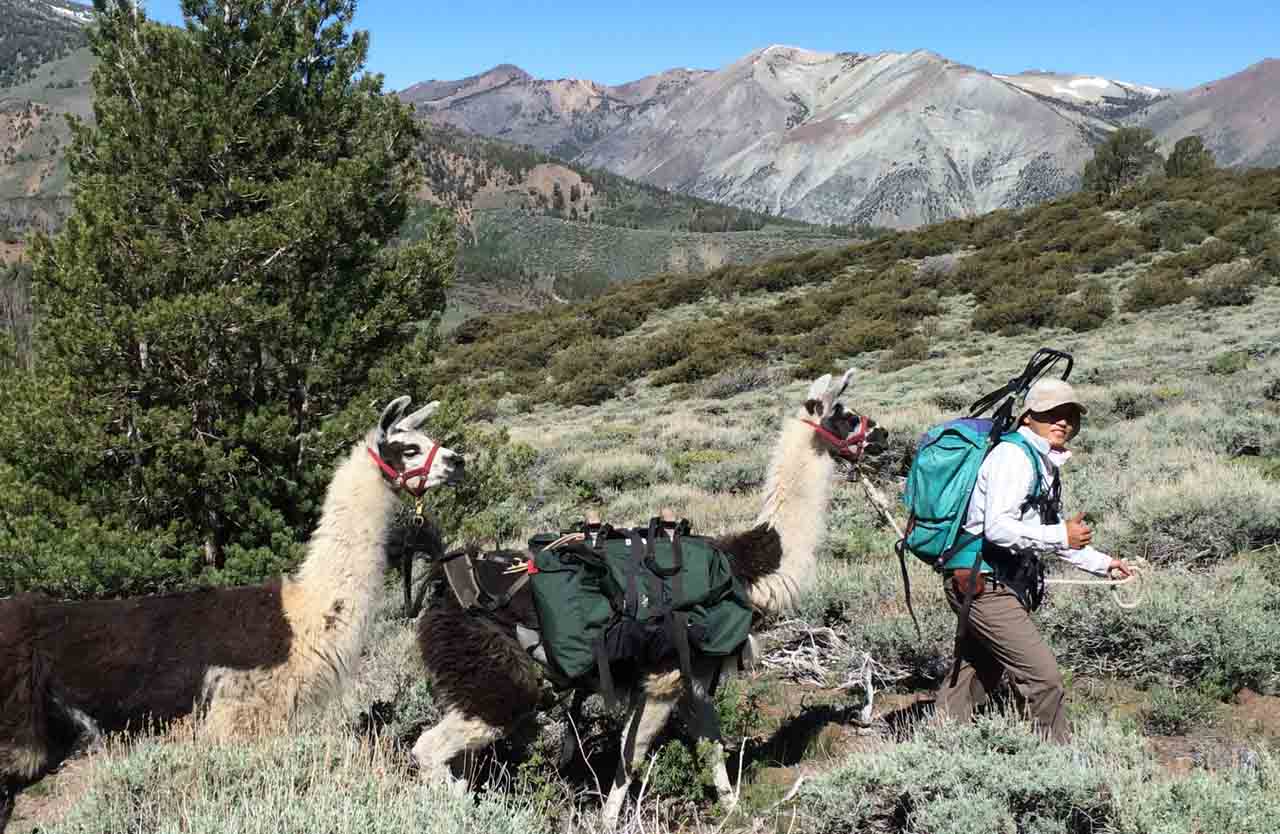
(1168, 43)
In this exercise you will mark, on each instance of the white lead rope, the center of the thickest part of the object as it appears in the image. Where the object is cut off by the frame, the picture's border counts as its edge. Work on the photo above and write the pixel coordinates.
(1114, 584)
(882, 506)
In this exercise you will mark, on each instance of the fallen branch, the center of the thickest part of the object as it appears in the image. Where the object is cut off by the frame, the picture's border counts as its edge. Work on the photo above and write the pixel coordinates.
(818, 655)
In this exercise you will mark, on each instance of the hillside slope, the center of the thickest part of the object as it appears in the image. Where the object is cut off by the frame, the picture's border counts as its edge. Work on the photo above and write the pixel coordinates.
(36, 32)
(1238, 117)
(33, 137)
(1067, 264)
(535, 230)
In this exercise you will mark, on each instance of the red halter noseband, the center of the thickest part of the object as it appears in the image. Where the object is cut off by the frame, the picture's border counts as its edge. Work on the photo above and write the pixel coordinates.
(850, 448)
(400, 480)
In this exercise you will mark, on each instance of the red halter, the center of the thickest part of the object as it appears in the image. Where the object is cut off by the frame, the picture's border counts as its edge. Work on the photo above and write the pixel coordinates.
(850, 448)
(400, 480)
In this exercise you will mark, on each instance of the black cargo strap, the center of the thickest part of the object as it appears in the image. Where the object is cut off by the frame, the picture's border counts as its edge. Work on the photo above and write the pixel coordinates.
(605, 674)
(631, 606)
(676, 622)
(459, 569)
(901, 549)
(504, 599)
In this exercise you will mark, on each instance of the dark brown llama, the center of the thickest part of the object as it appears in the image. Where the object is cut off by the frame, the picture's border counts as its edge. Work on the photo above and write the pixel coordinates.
(488, 682)
(247, 658)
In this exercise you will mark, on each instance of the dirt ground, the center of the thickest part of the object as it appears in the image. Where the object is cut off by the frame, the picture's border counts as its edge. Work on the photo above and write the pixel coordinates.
(48, 801)
(12, 252)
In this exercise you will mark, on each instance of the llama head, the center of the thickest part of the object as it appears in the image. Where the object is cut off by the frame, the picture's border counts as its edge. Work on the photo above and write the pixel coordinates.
(408, 451)
(846, 434)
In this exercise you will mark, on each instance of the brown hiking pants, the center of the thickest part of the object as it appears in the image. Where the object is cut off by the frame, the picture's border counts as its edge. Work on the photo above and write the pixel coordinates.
(1001, 637)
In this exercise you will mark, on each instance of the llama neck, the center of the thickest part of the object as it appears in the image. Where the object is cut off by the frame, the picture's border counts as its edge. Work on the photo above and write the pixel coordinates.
(796, 494)
(338, 583)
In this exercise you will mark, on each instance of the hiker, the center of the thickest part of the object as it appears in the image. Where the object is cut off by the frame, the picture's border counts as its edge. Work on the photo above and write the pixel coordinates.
(1018, 517)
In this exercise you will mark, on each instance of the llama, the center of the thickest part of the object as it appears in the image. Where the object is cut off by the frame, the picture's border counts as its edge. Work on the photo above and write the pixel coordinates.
(488, 682)
(246, 658)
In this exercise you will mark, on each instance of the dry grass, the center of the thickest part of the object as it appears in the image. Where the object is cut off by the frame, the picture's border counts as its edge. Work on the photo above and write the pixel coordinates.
(304, 783)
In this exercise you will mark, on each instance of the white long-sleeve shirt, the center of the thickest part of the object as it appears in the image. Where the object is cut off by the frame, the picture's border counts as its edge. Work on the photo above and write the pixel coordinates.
(996, 506)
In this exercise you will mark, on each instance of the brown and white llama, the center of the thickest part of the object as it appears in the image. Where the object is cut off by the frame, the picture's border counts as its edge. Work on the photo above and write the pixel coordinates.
(488, 682)
(250, 658)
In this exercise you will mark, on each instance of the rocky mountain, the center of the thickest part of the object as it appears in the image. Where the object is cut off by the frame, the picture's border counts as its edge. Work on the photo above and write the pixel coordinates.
(44, 74)
(1238, 116)
(515, 205)
(894, 139)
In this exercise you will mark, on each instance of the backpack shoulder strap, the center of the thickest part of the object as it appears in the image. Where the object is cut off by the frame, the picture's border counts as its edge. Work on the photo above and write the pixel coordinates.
(1037, 469)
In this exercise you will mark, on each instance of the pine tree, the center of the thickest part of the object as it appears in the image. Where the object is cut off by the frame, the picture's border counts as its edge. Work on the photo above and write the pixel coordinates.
(1189, 158)
(229, 278)
(1128, 155)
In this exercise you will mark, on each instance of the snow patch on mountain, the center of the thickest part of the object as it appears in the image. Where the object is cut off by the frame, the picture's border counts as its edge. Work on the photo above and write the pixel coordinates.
(74, 14)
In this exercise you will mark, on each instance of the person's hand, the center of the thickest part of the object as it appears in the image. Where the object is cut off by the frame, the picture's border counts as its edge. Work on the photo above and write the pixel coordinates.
(1078, 533)
(1118, 566)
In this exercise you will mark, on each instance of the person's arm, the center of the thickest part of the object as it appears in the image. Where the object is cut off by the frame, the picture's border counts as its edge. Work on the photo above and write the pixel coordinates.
(1089, 559)
(1008, 474)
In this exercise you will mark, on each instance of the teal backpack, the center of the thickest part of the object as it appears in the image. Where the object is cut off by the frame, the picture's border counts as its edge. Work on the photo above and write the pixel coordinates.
(610, 595)
(940, 484)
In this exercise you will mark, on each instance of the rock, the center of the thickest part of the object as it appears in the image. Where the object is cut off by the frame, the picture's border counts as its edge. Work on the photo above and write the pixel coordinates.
(1246, 696)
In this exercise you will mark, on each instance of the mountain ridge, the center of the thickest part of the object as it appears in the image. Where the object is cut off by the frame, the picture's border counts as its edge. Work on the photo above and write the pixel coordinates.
(1237, 116)
(815, 136)
(888, 139)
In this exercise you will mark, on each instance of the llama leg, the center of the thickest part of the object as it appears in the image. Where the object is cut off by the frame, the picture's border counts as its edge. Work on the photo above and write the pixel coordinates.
(650, 708)
(699, 714)
(88, 734)
(483, 676)
(456, 733)
(572, 728)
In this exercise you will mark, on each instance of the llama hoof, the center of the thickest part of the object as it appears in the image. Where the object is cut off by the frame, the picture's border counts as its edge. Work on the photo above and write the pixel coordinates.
(432, 772)
(727, 800)
(443, 780)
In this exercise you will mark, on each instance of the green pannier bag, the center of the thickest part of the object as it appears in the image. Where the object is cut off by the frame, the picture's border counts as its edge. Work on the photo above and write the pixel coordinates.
(637, 595)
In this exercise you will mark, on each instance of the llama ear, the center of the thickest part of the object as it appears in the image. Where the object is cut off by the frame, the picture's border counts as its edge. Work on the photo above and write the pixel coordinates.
(816, 402)
(391, 414)
(819, 387)
(844, 383)
(416, 418)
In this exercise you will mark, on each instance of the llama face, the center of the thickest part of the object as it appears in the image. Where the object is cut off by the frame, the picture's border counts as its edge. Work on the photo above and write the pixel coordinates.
(405, 448)
(823, 405)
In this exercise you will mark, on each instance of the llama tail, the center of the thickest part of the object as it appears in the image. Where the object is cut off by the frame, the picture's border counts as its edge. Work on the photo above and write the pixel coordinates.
(26, 681)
